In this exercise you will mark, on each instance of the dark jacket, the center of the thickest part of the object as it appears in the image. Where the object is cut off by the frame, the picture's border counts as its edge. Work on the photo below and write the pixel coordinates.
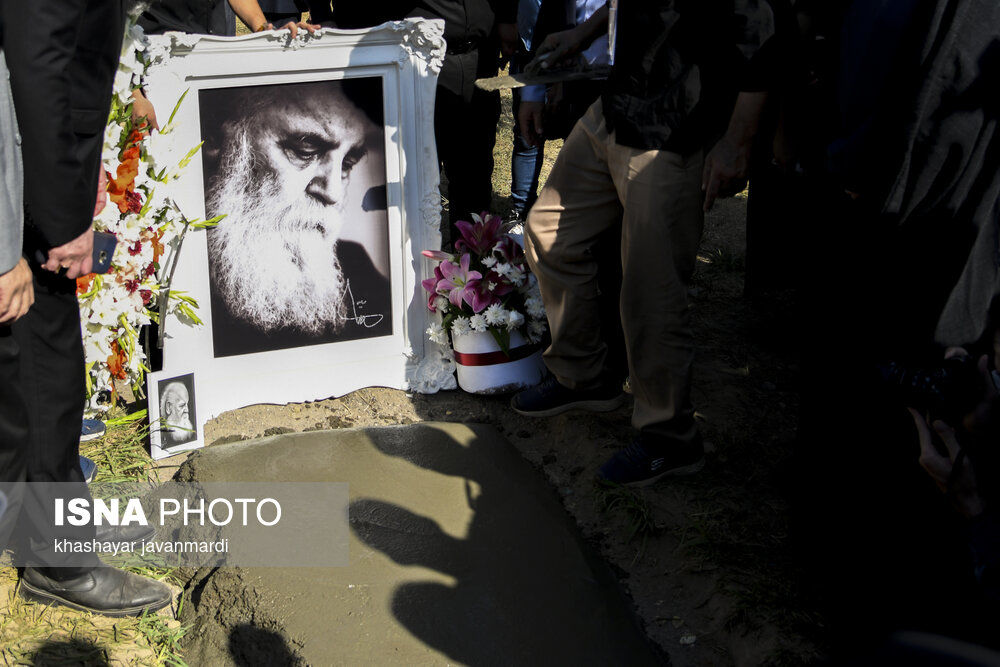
(679, 65)
(468, 30)
(62, 56)
(208, 17)
(467, 23)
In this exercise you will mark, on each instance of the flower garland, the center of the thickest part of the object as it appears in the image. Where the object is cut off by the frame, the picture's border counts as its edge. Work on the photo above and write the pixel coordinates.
(133, 205)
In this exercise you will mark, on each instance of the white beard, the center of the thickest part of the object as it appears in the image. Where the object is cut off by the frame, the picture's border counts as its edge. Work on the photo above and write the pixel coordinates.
(177, 430)
(274, 262)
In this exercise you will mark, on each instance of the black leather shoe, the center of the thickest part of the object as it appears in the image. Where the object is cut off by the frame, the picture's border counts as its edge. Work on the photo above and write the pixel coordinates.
(102, 590)
(132, 534)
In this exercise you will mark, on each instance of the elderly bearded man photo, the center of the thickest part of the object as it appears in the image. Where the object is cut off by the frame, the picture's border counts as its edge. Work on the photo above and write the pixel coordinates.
(176, 413)
(301, 257)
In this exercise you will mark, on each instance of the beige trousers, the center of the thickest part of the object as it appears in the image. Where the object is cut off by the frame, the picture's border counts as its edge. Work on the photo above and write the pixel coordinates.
(657, 196)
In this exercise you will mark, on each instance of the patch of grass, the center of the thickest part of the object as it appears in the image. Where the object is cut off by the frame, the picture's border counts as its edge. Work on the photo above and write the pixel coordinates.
(164, 637)
(638, 515)
(722, 258)
(33, 633)
(121, 454)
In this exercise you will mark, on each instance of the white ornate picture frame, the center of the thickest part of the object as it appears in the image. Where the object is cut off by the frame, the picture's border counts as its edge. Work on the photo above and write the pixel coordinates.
(204, 73)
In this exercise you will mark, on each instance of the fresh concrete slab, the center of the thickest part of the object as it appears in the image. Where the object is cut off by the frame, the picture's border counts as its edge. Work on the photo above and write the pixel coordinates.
(460, 553)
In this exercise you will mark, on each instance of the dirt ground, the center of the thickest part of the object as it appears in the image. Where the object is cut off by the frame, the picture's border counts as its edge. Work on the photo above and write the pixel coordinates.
(704, 558)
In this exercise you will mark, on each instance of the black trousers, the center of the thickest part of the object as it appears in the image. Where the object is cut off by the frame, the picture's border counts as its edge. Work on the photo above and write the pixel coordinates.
(42, 389)
(465, 124)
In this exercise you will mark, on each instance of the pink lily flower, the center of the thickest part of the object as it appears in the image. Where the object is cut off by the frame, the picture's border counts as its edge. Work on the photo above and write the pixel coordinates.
(503, 286)
(439, 255)
(458, 281)
(480, 297)
(431, 284)
(511, 252)
(480, 237)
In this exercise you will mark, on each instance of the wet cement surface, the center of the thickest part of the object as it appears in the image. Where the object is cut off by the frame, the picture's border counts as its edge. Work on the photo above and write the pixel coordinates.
(460, 553)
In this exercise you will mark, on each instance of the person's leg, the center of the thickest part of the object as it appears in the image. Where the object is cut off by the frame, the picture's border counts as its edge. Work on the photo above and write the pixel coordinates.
(525, 167)
(13, 435)
(52, 384)
(447, 109)
(661, 230)
(471, 128)
(578, 202)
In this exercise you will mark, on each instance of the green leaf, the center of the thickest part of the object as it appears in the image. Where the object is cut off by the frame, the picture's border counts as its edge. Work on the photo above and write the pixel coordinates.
(502, 337)
(128, 419)
(177, 106)
(145, 207)
(190, 155)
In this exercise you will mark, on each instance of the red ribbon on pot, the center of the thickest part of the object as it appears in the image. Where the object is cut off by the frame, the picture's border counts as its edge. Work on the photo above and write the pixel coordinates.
(497, 357)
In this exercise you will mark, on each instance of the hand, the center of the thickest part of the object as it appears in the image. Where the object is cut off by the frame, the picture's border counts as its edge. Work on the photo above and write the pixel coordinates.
(102, 192)
(510, 39)
(985, 417)
(142, 108)
(960, 484)
(725, 172)
(554, 49)
(76, 257)
(16, 292)
(529, 120)
(294, 27)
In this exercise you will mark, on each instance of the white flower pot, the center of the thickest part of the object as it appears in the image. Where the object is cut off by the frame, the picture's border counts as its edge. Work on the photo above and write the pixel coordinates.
(486, 369)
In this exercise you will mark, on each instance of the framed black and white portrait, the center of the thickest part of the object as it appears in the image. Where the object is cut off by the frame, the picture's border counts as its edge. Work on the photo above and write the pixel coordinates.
(319, 155)
(302, 256)
(173, 414)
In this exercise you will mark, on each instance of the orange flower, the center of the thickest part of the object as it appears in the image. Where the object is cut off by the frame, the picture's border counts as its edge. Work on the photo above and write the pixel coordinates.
(83, 283)
(157, 246)
(123, 183)
(117, 361)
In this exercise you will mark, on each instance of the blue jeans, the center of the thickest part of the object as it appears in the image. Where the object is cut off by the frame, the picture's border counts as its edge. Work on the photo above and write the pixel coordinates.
(525, 165)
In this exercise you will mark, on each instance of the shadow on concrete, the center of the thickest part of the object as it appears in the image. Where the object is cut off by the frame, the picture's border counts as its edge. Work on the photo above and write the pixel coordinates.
(526, 590)
(251, 646)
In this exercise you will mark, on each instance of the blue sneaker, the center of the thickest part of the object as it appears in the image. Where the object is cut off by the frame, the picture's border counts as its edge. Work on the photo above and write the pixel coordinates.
(92, 428)
(89, 469)
(637, 465)
(550, 398)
